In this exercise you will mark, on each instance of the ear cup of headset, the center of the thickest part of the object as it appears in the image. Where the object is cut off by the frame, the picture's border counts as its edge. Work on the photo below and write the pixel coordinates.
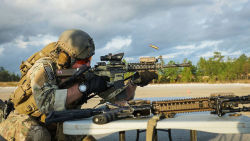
(63, 59)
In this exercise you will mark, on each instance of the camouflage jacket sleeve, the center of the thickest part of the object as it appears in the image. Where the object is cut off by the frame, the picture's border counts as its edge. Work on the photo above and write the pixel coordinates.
(44, 86)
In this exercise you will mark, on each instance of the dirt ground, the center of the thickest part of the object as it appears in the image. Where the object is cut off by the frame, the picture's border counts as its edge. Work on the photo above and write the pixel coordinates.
(173, 90)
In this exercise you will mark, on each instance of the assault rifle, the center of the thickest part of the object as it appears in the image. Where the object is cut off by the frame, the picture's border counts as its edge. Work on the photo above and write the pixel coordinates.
(219, 105)
(114, 68)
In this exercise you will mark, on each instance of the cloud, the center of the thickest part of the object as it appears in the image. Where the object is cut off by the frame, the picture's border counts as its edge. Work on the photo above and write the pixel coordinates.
(185, 47)
(223, 53)
(207, 54)
(30, 41)
(128, 59)
(198, 46)
(180, 28)
(209, 44)
(236, 53)
(187, 50)
(1, 50)
(220, 5)
(171, 55)
(20, 43)
(13, 53)
(118, 43)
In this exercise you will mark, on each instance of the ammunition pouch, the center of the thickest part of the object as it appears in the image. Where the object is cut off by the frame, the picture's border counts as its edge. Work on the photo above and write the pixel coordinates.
(23, 100)
(22, 92)
(28, 107)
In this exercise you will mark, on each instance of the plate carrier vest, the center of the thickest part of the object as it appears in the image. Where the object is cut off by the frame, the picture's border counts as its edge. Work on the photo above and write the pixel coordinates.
(22, 98)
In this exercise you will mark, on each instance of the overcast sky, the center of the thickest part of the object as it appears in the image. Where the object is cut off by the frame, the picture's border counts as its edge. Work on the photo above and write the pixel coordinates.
(180, 28)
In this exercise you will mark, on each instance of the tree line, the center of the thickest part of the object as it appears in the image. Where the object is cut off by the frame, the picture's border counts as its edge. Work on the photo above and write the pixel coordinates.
(214, 69)
(6, 76)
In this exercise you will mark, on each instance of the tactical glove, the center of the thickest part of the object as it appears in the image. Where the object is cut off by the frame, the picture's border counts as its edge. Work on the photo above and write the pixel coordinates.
(144, 78)
(95, 83)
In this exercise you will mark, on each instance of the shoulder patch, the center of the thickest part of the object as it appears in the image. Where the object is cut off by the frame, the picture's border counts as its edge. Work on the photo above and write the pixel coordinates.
(49, 73)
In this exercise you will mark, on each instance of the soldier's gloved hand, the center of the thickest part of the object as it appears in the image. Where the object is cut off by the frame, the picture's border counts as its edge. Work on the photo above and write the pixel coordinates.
(95, 83)
(144, 78)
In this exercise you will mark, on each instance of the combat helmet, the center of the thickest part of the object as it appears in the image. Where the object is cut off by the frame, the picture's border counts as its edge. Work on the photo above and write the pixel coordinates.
(77, 43)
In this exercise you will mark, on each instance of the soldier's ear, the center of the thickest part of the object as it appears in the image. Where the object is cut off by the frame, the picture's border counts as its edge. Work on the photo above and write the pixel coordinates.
(63, 59)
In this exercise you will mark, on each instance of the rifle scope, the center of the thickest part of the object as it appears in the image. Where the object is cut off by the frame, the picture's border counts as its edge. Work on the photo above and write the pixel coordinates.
(110, 57)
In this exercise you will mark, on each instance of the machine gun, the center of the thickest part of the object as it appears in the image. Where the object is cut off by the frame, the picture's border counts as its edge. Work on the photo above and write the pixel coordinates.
(114, 68)
(220, 105)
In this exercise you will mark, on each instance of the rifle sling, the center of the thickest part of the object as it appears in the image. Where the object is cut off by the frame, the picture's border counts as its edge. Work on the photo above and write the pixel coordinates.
(151, 126)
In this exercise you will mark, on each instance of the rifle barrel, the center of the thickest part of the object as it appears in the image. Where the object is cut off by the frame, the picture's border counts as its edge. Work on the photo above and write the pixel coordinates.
(156, 66)
(177, 65)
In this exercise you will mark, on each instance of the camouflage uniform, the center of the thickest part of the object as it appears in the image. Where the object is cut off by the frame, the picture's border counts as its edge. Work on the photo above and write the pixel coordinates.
(44, 86)
(21, 127)
(48, 98)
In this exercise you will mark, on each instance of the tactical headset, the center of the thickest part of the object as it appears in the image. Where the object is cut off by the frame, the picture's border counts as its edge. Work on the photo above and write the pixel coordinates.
(65, 61)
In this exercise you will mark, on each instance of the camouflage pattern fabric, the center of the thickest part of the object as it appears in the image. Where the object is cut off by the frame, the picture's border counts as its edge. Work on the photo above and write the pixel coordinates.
(1, 115)
(20, 127)
(2, 106)
(43, 84)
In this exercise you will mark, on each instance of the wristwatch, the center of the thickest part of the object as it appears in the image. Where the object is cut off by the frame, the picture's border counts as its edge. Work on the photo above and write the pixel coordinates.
(82, 88)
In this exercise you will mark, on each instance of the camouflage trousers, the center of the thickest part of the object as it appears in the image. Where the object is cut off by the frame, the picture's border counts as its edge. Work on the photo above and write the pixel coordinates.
(20, 127)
